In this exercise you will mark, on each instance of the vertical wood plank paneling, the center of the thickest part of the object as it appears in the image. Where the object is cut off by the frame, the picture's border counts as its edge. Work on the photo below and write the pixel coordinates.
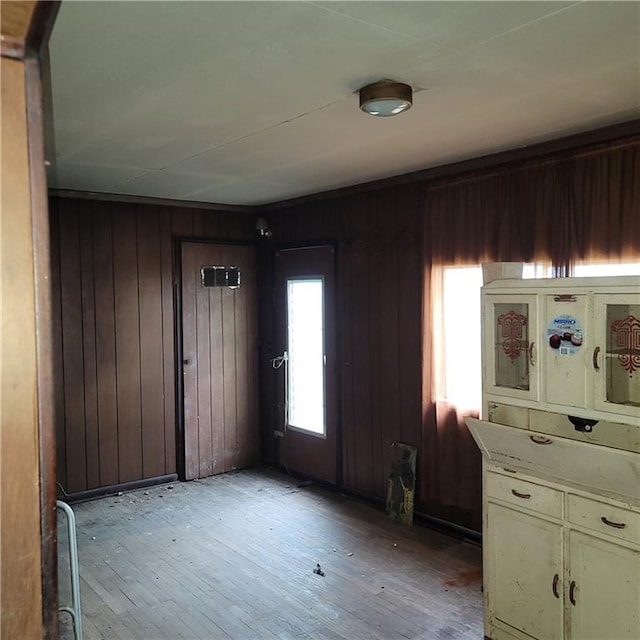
(72, 341)
(360, 265)
(198, 227)
(56, 333)
(235, 226)
(210, 224)
(409, 318)
(182, 222)
(168, 343)
(217, 381)
(389, 332)
(251, 442)
(229, 374)
(125, 261)
(345, 322)
(203, 366)
(89, 351)
(189, 364)
(151, 345)
(105, 344)
(237, 256)
(376, 243)
(117, 321)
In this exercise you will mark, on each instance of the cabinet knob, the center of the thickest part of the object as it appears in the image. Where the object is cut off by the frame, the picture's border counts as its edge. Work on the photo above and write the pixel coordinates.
(517, 494)
(572, 592)
(554, 586)
(596, 352)
(540, 440)
(532, 361)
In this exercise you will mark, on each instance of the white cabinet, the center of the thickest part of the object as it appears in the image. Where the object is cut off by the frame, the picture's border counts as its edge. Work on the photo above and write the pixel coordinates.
(560, 440)
(569, 346)
(525, 595)
(558, 564)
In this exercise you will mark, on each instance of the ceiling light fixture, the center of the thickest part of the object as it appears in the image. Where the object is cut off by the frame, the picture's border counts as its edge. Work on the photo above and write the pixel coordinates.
(386, 98)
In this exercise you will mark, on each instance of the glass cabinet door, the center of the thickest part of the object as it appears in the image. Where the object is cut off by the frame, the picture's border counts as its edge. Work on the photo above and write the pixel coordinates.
(616, 358)
(509, 323)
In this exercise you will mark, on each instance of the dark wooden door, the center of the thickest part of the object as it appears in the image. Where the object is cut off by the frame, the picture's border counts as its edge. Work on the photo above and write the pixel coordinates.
(219, 362)
(305, 302)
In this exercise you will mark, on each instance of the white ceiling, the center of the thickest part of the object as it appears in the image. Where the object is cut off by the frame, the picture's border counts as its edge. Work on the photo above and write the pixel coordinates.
(253, 102)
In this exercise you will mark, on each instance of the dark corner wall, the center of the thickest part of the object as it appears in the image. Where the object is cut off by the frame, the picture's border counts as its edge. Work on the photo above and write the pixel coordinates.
(113, 279)
(379, 273)
(379, 284)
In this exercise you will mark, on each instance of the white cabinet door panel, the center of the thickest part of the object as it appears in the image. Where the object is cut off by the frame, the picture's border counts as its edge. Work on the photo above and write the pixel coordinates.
(606, 591)
(526, 572)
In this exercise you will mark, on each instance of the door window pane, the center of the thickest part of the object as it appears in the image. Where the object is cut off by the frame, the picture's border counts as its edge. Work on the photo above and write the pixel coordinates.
(305, 347)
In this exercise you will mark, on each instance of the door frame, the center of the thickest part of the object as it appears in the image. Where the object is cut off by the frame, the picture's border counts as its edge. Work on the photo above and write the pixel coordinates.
(337, 306)
(177, 335)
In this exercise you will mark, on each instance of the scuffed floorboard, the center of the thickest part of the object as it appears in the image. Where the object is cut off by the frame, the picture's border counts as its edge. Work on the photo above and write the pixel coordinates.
(233, 556)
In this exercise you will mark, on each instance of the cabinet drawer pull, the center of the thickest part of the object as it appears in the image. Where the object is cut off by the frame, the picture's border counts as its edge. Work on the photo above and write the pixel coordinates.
(596, 351)
(615, 525)
(524, 496)
(554, 586)
(532, 361)
(540, 440)
(572, 592)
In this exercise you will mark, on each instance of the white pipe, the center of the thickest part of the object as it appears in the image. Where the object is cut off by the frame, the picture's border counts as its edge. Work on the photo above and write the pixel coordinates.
(75, 609)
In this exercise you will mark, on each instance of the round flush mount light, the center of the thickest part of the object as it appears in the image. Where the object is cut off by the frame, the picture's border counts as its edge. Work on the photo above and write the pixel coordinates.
(386, 98)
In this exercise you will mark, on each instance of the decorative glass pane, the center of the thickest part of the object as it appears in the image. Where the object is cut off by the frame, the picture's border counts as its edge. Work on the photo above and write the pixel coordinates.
(305, 347)
(511, 331)
(622, 357)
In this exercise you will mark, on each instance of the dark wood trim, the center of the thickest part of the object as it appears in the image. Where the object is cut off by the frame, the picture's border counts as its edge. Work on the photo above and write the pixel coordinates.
(450, 528)
(166, 202)
(114, 489)
(44, 342)
(314, 244)
(42, 22)
(520, 154)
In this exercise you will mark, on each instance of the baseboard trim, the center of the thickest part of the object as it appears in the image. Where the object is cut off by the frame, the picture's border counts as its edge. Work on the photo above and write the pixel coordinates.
(114, 489)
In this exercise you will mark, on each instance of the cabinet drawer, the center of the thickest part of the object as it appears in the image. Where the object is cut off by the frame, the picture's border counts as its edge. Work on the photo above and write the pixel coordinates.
(524, 494)
(609, 519)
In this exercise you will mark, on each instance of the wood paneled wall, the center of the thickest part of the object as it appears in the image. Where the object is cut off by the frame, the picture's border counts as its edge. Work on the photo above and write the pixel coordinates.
(113, 298)
(379, 283)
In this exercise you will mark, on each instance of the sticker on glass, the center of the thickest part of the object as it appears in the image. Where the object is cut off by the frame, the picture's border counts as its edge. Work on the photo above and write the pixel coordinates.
(565, 335)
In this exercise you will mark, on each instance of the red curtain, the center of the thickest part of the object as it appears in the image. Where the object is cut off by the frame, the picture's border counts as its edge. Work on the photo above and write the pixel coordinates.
(583, 204)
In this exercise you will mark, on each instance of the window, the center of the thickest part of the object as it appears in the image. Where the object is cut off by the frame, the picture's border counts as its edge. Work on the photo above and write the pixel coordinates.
(457, 339)
(305, 347)
(594, 269)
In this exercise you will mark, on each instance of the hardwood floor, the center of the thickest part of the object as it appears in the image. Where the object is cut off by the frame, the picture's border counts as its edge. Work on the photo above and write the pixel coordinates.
(233, 556)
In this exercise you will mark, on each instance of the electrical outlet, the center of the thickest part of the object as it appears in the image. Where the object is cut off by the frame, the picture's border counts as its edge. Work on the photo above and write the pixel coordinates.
(278, 434)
